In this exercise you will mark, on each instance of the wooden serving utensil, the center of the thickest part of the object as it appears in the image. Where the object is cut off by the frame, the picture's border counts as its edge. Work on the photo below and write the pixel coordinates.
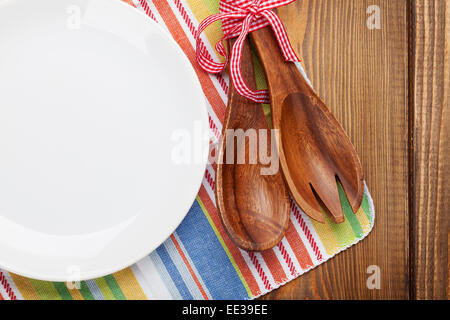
(314, 149)
(254, 208)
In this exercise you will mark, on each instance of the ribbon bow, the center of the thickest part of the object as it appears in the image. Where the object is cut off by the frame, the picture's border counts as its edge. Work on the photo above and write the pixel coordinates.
(239, 17)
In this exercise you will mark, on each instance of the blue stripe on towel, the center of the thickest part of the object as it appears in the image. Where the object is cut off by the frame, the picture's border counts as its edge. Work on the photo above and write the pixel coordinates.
(200, 241)
(173, 272)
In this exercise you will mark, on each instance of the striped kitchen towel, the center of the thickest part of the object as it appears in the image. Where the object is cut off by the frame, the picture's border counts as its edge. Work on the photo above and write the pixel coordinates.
(199, 261)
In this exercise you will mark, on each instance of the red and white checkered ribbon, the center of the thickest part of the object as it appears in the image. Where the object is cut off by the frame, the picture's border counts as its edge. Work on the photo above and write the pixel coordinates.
(239, 17)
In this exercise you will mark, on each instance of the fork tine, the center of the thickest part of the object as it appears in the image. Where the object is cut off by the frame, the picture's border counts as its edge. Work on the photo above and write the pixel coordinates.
(354, 189)
(327, 195)
(309, 204)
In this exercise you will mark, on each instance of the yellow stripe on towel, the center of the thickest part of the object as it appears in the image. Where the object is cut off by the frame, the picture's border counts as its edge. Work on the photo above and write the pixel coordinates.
(129, 285)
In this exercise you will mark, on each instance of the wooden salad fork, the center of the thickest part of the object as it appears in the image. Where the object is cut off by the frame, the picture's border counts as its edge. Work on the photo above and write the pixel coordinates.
(314, 150)
(254, 208)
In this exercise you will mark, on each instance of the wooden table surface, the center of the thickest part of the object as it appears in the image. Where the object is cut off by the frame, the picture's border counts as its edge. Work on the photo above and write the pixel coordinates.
(389, 85)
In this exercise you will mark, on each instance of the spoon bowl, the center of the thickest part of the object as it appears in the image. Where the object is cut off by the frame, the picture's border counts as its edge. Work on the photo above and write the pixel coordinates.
(253, 202)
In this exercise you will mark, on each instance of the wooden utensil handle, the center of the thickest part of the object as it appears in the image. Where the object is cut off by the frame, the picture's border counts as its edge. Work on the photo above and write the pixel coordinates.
(278, 71)
(246, 68)
(243, 107)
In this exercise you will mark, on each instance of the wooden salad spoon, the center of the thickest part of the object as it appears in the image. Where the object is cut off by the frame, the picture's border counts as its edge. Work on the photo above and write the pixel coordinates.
(254, 208)
(314, 150)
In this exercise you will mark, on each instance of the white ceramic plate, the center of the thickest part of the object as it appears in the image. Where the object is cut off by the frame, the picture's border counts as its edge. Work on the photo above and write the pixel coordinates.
(95, 102)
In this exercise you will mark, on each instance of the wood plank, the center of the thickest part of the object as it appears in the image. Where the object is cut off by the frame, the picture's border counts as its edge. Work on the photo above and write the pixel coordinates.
(362, 75)
(432, 148)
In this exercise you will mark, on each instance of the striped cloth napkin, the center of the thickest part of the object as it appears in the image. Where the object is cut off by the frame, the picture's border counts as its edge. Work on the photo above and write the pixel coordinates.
(199, 261)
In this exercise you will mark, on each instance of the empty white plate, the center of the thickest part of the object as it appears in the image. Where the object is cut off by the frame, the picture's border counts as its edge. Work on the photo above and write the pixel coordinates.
(102, 137)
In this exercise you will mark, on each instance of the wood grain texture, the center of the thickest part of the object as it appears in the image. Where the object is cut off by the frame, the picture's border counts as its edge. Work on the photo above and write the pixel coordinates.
(431, 148)
(362, 76)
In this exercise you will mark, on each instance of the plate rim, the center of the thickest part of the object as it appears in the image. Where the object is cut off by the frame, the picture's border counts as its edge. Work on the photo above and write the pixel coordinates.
(93, 274)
